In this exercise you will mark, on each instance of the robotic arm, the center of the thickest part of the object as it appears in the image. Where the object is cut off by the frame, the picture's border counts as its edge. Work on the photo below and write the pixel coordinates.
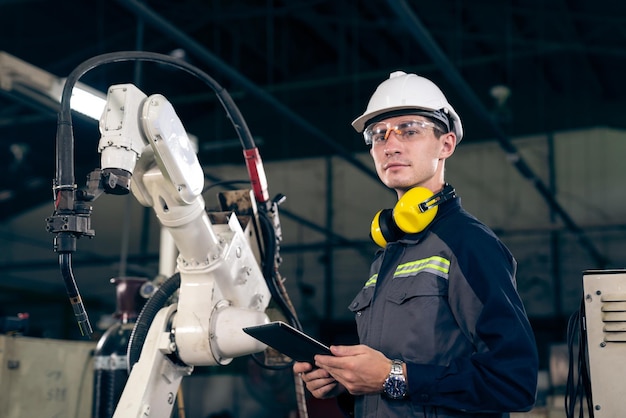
(218, 268)
(222, 287)
(227, 270)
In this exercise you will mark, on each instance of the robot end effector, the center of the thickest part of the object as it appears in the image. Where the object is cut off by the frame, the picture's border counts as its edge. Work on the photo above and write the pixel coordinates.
(130, 122)
(121, 143)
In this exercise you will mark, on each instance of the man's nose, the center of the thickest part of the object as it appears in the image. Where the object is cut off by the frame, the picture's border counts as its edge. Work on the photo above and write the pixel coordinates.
(391, 145)
(390, 131)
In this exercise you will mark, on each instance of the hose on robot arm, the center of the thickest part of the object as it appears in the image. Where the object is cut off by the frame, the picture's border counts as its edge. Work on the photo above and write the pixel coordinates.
(142, 325)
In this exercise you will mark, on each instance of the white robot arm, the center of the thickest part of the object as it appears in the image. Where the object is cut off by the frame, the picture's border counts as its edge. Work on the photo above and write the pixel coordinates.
(222, 287)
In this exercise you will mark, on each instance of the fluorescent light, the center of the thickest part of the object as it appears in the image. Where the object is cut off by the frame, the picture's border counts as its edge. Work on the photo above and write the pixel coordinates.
(87, 103)
(85, 100)
(33, 83)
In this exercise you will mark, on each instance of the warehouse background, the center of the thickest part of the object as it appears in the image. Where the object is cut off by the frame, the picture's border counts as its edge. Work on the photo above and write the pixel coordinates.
(539, 86)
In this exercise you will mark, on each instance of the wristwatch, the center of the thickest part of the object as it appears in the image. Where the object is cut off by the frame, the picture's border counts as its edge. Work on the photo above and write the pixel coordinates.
(395, 384)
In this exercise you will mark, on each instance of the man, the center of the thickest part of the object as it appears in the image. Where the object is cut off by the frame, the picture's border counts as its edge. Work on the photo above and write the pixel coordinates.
(442, 330)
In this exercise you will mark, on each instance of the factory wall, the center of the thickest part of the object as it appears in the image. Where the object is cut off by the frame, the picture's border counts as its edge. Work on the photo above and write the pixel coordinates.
(326, 251)
(326, 219)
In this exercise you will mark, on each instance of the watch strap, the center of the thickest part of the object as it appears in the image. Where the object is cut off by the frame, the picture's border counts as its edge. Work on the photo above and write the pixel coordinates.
(395, 386)
(396, 368)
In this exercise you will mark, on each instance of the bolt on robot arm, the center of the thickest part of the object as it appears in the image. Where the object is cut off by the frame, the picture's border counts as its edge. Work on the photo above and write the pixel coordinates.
(222, 288)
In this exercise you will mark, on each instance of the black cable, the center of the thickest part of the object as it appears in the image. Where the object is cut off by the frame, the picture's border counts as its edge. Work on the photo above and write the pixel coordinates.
(578, 387)
(585, 377)
(239, 123)
(571, 387)
(269, 273)
(65, 263)
(268, 269)
(146, 316)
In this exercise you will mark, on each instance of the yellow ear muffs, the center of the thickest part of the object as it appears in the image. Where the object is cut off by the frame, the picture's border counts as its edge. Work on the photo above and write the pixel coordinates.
(383, 228)
(405, 218)
(408, 214)
(413, 212)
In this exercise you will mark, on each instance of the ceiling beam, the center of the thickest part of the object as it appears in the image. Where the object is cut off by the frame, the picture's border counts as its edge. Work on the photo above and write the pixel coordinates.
(161, 24)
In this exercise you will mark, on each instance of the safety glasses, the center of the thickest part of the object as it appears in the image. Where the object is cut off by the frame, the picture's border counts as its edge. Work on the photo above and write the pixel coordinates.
(406, 130)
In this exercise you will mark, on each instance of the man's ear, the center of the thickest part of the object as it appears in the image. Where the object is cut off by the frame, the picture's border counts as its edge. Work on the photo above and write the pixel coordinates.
(448, 142)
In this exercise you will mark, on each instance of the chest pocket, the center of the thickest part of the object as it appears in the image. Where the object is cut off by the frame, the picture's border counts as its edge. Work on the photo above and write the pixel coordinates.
(424, 277)
(421, 285)
(360, 307)
(417, 309)
(362, 300)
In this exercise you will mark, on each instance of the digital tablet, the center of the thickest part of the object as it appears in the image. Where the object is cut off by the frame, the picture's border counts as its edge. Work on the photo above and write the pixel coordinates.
(288, 340)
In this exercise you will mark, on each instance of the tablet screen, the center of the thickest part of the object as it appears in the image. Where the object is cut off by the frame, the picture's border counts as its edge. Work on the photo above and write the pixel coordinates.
(288, 340)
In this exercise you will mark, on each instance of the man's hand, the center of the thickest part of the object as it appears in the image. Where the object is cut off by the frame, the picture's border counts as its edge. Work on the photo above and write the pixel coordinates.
(318, 381)
(358, 368)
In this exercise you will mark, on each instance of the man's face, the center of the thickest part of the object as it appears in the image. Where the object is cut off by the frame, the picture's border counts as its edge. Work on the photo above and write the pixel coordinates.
(408, 151)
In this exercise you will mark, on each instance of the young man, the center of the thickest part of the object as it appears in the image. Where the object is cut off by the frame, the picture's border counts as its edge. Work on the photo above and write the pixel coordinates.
(442, 330)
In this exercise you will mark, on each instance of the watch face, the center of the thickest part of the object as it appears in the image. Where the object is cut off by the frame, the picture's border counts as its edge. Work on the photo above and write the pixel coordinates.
(395, 387)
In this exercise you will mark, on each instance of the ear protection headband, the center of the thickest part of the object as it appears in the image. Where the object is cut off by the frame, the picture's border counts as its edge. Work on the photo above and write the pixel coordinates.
(413, 212)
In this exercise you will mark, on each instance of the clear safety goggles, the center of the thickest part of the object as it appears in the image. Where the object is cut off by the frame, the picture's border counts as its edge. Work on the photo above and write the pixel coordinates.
(406, 130)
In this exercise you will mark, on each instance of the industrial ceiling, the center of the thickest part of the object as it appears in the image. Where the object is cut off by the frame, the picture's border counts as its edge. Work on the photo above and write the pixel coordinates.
(301, 71)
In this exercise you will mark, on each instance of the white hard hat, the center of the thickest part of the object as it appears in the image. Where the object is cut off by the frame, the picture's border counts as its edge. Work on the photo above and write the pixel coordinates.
(404, 91)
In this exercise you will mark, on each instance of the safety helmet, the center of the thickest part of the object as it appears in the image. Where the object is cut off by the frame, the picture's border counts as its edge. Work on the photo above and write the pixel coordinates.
(409, 92)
